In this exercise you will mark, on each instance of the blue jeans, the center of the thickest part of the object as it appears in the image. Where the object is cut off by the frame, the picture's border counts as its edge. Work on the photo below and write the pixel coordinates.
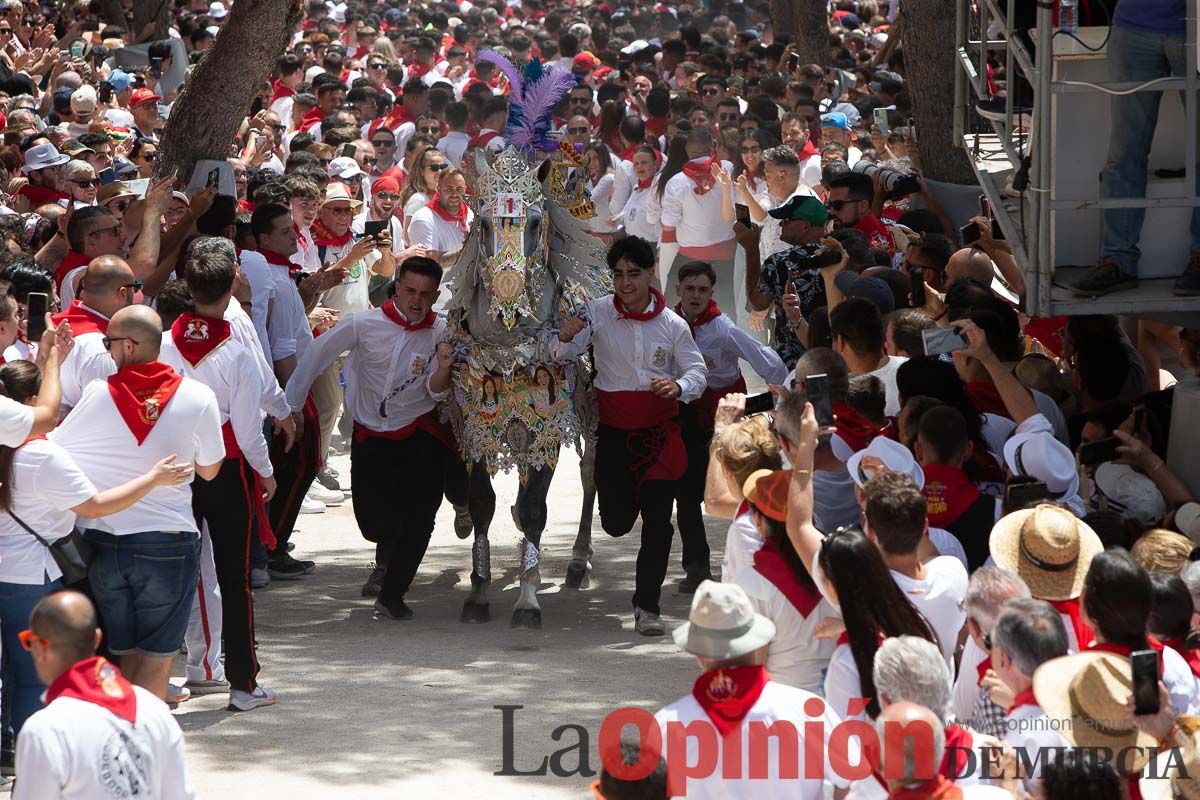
(144, 584)
(1135, 56)
(22, 689)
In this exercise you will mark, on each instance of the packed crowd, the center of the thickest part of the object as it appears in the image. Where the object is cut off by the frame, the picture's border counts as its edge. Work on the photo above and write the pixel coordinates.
(943, 513)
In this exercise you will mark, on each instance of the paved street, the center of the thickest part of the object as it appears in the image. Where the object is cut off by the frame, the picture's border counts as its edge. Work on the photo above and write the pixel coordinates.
(373, 708)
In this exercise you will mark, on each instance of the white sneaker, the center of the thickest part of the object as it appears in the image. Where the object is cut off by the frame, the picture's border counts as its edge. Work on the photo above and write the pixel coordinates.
(310, 506)
(647, 623)
(329, 497)
(259, 577)
(247, 701)
(199, 688)
(177, 694)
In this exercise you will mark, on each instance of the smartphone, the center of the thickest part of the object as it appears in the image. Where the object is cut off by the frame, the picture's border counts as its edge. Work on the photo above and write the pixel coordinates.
(743, 213)
(63, 56)
(107, 176)
(969, 233)
(985, 210)
(816, 388)
(760, 403)
(348, 150)
(39, 304)
(881, 120)
(1144, 664)
(156, 67)
(825, 258)
(214, 178)
(1099, 451)
(105, 93)
(793, 62)
(916, 286)
(374, 227)
(76, 49)
(1024, 492)
(912, 130)
(941, 340)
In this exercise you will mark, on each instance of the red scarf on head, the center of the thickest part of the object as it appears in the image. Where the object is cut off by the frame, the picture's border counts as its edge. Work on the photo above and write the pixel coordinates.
(323, 237)
(660, 303)
(711, 312)
(948, 493)
(141, 393)
(391, 312)
(986, 399)
(96, 680)
(72, 260)
(700, 172)
(278, 90)
(280, 261)
(312, 118)
(727, 695)
(83, 319)
(460, 217)
(395, 118)
(855, 429)
(1083, 633)
(937, 789)
(197, 337)
(768, 562)
(1192, 656)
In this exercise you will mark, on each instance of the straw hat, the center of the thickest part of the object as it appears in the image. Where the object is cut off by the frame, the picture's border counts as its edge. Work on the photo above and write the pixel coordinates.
(723, 624)
(1087, 692)
(1049, 547)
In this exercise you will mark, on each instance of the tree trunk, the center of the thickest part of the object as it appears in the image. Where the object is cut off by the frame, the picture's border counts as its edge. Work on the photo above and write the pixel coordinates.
(222, 87)
(807, 22)
(929, 69)
(151, 11)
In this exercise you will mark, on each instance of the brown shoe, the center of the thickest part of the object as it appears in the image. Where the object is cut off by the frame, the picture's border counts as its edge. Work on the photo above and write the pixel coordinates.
(1188, 284)
(1102, 279)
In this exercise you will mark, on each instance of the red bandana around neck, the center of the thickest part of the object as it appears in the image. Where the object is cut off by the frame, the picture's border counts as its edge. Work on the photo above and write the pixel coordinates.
(700, 172)
(808, 151)
(937, 789)
(727, 695)
(855, 429)
(83, 319)
(482, 138)
(440, 210)
(141, 393)
(196, 337)
(769, 563)
(96, 680)
(398, 116)
(981, 670)
(323, 237)
(72, 260)
(659, 304)
(311, 119)
(751, 180)
(643, 185)
(711, 312)
(948, 492)
(278, 90)
(1025, 698)
(1083, 633)
(391, 312)
(280, 261)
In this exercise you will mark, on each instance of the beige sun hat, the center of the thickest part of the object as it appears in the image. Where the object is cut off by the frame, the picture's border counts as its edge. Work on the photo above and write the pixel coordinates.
(1049, 547)
(723, 624)
(1086, 694)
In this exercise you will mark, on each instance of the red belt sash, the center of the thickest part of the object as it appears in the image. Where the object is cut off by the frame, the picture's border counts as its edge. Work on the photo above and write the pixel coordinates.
(254, 491)
(427, 422)
(655, 440)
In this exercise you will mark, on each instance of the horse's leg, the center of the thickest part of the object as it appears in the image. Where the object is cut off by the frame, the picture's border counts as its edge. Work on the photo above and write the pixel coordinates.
(482, 506)
(531, 511)
(581, 554)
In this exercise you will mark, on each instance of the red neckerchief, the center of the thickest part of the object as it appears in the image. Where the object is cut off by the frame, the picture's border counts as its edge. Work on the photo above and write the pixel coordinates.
(439, 209)
(1083, 633)
(769, 563)
(1132, 782)
(1025, 698)
(395, 118)
(657, 126)
(391, 312)
(700, 172)
(751, 180)
(1122, 650)
(986, 399)
(96, 680)
(280, 261)
(40, 195)
(711, 312)
(627, 153)
(323, 237)
(83, 319)
(855, 429)
(312, 118)
(141, 393)
(418, 69)
(659, 304)
(278, 90)
(876, 233)
(727, 695)
(72, 260)
(808, 151)
(937, 789)
(482, 138)
(948, 493)
(197, 337)
(981, 669)
(643, 185)
(1191, 656)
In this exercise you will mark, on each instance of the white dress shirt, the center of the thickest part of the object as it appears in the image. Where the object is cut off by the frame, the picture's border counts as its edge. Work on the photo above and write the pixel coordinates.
(795, 656)
(722, 343)
(262, 295)
(241, 328)
(629, 352)
(641, 213)
(387, 371)
(696, 218)
(437, 234)
(602, 192)
(289, 332)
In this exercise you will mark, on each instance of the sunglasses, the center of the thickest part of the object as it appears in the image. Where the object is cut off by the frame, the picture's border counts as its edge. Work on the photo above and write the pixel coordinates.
(384, 143)
(437, 167)
(836, 205)
(6, 31)
(86, 183)
(278, 128)
(434, 130)
(711, 92)
(121, 205)
(28, 637)
(115, 230)
(376, 66)
(107, 341)
(578, 131)
(148, 156)
(370, 161)
(387, 196)
(752, 149)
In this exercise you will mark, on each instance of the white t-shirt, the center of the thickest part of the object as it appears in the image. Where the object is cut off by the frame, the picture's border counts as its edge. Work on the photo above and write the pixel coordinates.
(937, 598)
(87, 361)
(76, 750)
(452, 146)
(437, 234)
(795, 657)
(841, 684)
(887, 374)
(741, 543)
(696, 218)
(99, 441)
(46, 485)
(16, 421)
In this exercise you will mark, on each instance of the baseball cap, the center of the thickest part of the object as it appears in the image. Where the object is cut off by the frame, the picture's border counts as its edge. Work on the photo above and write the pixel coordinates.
(75, 148)
(584, 61)
(851, 284)
(344, 167)
(809, 209)
(120, 80)
(834, 119)
(888, 86)
(62, 100)
(141, 96)
(83, 100)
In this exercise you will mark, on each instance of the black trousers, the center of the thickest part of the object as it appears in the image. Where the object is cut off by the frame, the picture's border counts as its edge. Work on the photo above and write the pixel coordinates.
(227, 504)
(295, 471)
(690, 495)
(397, 491)
(622, 501)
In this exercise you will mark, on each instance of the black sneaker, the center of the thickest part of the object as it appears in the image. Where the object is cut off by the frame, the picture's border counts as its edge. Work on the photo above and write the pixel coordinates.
(994, 109)
(374, 583)
(1188, 284)
(691, 583)
(329, 480)
(1102, 279)
(285, 568)
(396, 609)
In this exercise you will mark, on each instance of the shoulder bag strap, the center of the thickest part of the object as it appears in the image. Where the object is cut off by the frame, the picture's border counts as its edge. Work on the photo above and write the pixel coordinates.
(21, 522)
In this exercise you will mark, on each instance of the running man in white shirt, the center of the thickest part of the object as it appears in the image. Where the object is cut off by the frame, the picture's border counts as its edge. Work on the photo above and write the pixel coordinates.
(646, 364)
(97, 729)
(144, 572)
(397, 370)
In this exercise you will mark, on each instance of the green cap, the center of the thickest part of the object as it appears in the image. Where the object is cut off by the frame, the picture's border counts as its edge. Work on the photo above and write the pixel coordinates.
(804, 207)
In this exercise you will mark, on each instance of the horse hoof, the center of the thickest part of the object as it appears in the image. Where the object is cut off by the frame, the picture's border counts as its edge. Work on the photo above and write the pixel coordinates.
(526, 618)
(577, 576)
(475, 613)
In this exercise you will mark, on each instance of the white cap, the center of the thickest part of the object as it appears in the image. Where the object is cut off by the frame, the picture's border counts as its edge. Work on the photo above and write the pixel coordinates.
(884, 453)
(344, 167)
(83, 100)
(1039, 455)
(217, 10)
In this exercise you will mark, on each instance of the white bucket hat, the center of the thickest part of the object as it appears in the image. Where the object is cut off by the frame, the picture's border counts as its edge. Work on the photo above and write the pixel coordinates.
(883, 452)
(723, 624)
